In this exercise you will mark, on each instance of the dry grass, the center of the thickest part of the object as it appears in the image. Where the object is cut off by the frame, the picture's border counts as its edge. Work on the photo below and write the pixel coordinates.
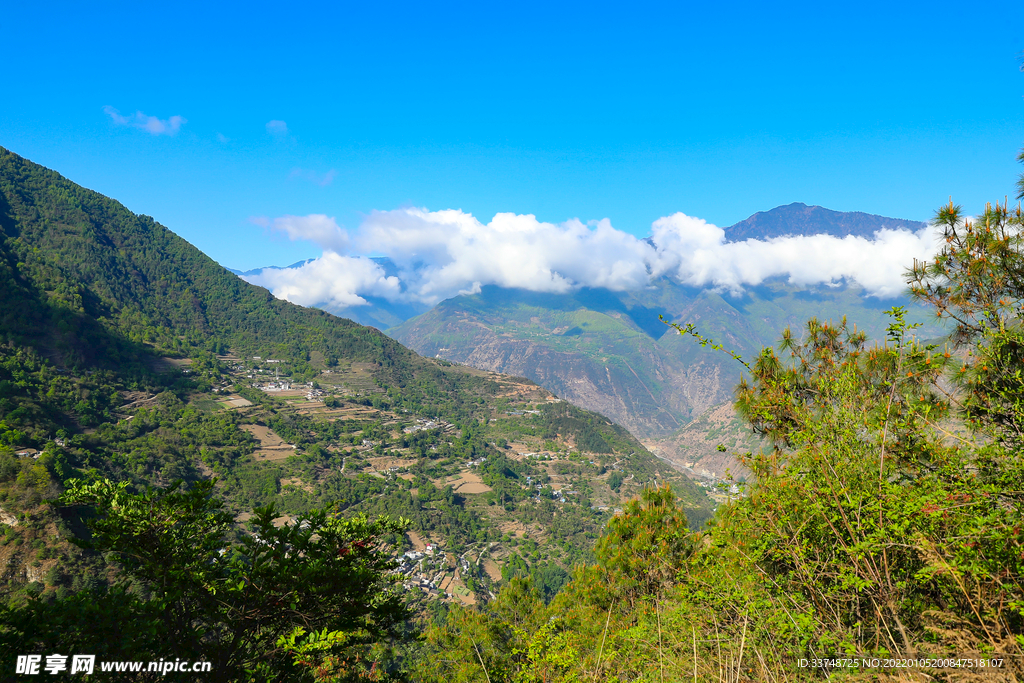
(272, 447)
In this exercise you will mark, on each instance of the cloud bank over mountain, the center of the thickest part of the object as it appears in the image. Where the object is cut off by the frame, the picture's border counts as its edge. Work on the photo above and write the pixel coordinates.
(440, 254)
(696, 253)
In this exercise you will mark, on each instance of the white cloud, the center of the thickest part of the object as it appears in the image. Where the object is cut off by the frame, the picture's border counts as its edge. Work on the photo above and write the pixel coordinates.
(322, 230)
(444, 253)
(313, 177)
(223, 139)
(696, 253)
(332, 280)
(151, 124)
(277, 128)
(440, 254)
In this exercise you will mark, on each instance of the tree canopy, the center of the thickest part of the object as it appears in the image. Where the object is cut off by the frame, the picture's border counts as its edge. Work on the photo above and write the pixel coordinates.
(249, 606)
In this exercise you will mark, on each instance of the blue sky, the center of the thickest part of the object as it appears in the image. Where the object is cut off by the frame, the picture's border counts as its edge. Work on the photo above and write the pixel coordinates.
(629, 111)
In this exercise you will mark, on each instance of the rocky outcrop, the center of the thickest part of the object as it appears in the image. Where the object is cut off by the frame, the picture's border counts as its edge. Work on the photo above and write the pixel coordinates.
(8, 518)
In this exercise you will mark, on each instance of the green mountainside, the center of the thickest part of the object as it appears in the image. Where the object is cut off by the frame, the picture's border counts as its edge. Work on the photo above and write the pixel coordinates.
(608, 351)
(126, 353)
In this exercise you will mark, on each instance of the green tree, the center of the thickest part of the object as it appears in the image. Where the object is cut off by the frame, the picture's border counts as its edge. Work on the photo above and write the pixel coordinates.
(230, 603)
(977, 282)
(495, 644)
(645, 547)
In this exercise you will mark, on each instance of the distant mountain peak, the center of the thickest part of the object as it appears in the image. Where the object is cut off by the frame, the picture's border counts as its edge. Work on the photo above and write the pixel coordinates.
(258, 271)
(800, 219)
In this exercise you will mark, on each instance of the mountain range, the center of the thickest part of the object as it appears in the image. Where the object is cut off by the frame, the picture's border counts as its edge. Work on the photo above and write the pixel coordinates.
(610, 353)
(613, 351)
(128, 354)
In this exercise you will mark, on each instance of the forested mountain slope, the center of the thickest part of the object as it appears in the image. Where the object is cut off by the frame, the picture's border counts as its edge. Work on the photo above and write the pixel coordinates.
(126, 353)
(93, 257)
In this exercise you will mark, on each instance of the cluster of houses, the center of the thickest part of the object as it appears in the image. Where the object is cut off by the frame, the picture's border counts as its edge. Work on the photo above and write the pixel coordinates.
(422, 424)
(732, 489)
(256, 370)
(556, 494)
(431, 576)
